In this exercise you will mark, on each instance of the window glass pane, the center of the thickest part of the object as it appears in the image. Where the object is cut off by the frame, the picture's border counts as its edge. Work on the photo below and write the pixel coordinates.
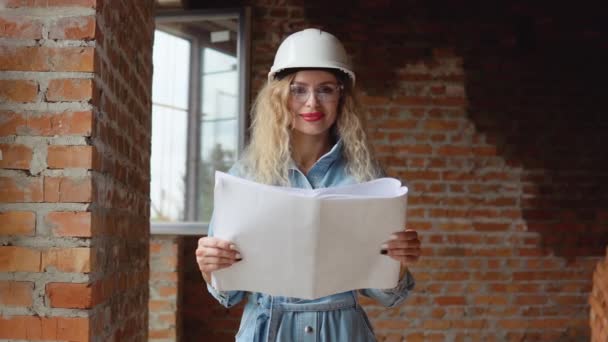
(171, 60)
(219, 122)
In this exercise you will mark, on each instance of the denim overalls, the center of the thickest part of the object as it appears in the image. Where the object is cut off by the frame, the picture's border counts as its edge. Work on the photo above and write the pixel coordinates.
(337, 317)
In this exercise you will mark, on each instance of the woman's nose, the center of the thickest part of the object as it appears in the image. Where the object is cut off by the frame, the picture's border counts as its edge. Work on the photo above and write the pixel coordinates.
(312, 100)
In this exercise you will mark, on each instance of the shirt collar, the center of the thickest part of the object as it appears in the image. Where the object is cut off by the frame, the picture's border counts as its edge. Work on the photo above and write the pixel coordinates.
(325, 161)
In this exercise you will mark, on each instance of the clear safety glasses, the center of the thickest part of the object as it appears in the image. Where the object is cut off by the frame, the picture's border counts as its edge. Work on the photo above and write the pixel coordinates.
(325, 93)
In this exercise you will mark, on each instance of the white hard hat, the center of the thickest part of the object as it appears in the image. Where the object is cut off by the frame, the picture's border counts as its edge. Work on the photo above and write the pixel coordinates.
(311, 48)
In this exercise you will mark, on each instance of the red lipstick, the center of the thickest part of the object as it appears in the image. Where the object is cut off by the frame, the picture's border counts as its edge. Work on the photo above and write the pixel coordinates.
(314, 116)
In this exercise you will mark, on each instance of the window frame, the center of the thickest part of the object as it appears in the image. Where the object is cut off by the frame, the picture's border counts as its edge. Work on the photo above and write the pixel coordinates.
(191, 226)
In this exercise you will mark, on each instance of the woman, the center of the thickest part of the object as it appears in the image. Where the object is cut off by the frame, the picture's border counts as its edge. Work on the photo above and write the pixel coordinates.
(308, 132)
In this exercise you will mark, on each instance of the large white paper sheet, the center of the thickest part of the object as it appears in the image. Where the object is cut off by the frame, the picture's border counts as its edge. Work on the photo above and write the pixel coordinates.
(307, 243)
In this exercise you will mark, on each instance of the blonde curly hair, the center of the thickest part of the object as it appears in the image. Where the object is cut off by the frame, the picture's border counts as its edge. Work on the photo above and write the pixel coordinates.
(268, 155)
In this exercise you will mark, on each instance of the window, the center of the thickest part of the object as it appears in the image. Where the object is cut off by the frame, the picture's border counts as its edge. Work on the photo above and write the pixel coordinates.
(199, 98)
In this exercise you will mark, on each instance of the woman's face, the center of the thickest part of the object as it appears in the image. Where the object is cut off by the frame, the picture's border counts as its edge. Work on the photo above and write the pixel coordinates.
(313, 100)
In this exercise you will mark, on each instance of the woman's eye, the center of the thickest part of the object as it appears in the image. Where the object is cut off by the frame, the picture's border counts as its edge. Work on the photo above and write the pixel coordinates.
(325, 90)
(299, 90)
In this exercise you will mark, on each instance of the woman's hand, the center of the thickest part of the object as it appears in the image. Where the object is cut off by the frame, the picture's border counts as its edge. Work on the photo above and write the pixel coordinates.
(213, 254)
(403, 246)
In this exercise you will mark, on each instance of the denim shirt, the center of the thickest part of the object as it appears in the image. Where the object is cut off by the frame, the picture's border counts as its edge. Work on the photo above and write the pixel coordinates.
(337, 317)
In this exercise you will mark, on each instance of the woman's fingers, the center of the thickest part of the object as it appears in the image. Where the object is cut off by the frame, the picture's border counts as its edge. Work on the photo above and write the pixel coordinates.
(213, 254)
(402, 241)
(217, 252)
(211, 263)
(398, 252)
(392, 244)
(403, 246)
(216, 243)
(407, 234)
(216, 261)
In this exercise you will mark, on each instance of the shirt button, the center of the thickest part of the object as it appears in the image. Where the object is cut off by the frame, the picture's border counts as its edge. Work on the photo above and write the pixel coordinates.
(308, 329)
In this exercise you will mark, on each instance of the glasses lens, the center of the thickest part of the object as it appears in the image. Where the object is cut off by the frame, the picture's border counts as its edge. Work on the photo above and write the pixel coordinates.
(299, 93)
(324, 93)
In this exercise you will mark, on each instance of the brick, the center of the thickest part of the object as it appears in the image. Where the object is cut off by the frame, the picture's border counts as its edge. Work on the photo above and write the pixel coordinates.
(61, 157)
(168, 262)
(449, 101)
(20, 91)
(15, 156)
(455, 226)
(16, 293)
(450, 150)
(399, 124)
(67, 123)
(392, 324)
(155, 247)
(10, 121)
(77, 224)
(468, 324)
(414, 149)
(167, 318)
(161, 305)
(161, 333)
(19, 259)
(167, 291)
(419, 175)
(42, 58)
(45, 328)
(17, 223)
(530, 300)
(413, 101)
(457, 175)
(490, 227)
(391, 338)
(487, 151)
(441, 125)
(439, 89)
(446, 300)
(490, 300)
(76, 260)
(70, 295)
(451, 276)
(20, 27)
(436, 324)
(415, 337)
(164, 276)
(73, 28)
(374, 100)
(69, 90)
(65, 189)
(21, 190)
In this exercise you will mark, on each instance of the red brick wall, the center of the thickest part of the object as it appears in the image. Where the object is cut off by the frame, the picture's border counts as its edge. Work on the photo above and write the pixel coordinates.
(599, 302)
(491, 113)
(75, 106)
(165, 290)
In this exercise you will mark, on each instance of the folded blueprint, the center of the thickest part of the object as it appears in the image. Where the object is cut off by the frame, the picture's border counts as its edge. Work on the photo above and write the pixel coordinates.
(307, 243)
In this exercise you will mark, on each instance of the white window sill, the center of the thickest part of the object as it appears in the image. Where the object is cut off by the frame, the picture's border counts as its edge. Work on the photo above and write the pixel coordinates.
(179, 228)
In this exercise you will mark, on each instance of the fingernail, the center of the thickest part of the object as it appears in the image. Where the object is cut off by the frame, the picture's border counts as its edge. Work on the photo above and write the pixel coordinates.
(394, 237)
(238, 256)
(383, 251)
(384, 246)
(232, 246)
(239, 259)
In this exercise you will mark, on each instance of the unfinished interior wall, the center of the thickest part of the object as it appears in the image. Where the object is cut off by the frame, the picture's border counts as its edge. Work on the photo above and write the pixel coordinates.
(75, 82)
(491, 114)
(166, 274)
